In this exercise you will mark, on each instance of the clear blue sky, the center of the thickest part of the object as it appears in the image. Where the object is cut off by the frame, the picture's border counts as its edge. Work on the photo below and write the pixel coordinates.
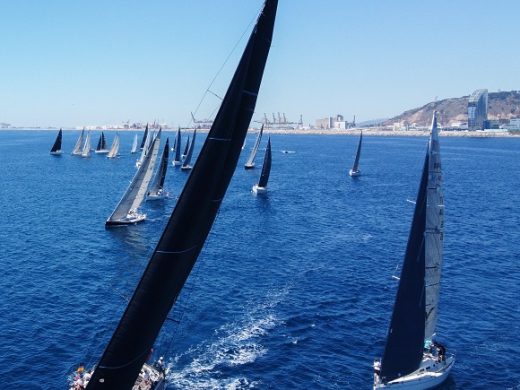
(69, 63)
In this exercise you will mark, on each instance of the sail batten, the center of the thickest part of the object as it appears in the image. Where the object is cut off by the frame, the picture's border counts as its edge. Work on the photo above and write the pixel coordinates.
(190, 222)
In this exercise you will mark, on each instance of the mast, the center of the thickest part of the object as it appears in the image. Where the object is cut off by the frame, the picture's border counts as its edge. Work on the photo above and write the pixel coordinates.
(434, 231)
(158, 181)
(145, 135)
(191, 220)
(266, 167)
(249, 163)
(57, 143)
(405, 342)
(358, 153)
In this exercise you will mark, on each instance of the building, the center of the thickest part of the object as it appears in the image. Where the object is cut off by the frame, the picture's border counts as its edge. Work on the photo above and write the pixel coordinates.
(337, 122)
(478, 109)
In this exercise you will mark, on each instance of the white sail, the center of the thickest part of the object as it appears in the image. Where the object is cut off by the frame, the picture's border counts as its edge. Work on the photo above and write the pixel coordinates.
(134, 145)
(250, 161)
(114, 149)
(137, 189)
(77, 148)
(434, 232)
(86, 147)
(145, 150)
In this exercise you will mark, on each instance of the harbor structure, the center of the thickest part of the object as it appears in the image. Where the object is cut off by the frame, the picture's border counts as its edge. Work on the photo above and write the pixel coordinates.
(478, 110)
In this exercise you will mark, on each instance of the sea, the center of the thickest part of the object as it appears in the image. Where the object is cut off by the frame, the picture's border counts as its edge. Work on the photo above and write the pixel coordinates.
(293, 290)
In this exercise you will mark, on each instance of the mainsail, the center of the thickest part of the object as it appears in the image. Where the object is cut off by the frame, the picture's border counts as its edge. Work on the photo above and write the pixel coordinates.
(160, 175)
(250, 161)
(101, 145)
(187, 159)
(266, 167)
(187, 147)
(355, 167)
(86, 147)
(145, 136)
(134, 145)
(79, 143)
(191, 220)
(434, 232)
(114, 149)
(177, 158)
(137, 189)
(56, 148)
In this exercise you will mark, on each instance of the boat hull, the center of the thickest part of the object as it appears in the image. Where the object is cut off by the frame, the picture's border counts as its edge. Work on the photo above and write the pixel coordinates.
(186, 167)
(176, 163)
(258, 190)
(430, 374)
(57, 153)
(158, 196)
(353, 173)
(101, 151)
(249, 166)
(129, 220)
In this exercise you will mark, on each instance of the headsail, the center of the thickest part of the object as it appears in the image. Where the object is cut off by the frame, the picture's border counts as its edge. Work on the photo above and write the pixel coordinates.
(250, 161)
(405, 342)
(266, 167)
(158, 181)
(56, 148)
(79, 143)
(191, 221)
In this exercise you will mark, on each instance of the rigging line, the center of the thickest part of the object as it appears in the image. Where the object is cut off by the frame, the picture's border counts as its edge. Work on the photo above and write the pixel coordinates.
(248, 28)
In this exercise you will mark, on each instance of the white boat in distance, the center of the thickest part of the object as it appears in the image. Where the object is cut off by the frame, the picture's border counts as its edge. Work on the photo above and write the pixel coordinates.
(134, 145)
(86, 147)
(412, 358)
(114, 149)
(79, 143)
(354, 171)
(250, 163)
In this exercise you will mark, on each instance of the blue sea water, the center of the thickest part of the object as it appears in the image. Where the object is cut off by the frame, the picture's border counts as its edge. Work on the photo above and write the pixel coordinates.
(293, 290)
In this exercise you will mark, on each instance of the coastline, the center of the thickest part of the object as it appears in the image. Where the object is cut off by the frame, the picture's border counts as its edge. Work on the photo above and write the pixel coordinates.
(370, 132)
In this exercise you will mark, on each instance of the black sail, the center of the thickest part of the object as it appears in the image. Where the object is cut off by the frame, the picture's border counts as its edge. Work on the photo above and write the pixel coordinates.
(178, 146)
(144, 136)
(404, 346)
(158, 182)
(187, 147)
(266, 167)
(57, 143)
(355, 167)
(191, 220)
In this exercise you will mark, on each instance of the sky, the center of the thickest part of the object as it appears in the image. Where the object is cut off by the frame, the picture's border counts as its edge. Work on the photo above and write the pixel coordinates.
(80, 63)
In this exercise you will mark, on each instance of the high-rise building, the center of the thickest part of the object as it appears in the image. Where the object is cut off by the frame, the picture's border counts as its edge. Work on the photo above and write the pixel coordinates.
(477, 109)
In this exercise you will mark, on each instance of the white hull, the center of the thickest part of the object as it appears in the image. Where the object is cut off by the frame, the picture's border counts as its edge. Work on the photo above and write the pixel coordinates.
(258, 190)
(101, 151)
(130, 219)
(176, 163)
(56, 153)
(431, 373)
(354, 173)
(158, 196)
(186, 167)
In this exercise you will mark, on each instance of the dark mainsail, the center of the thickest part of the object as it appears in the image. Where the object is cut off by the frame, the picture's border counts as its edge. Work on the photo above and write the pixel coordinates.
(189, 154)
(158, 181)
(266, 167)
(355, 167)
(187, 147)
(178, 146)
(144, 137)
(191, 220)
(101, 145)
(57, 143)
(404, 346)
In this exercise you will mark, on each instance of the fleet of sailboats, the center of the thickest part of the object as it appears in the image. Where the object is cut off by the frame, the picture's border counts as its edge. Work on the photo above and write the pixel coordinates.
(250, 163)
(413, 358)
(354, 171)
(56, 147)
(261, 186)
(157, 191)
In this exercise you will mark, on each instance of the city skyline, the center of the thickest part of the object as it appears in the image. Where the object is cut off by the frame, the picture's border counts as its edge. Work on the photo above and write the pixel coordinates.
(72, 63)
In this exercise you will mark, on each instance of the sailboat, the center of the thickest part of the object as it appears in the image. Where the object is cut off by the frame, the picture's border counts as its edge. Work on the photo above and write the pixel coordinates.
(412, 358)
(145, 136)
(186, 148)
(79, 143)
(56, 148)
(250, 164)
(354, 171)
(86, 147)
(187, 160)
(189, 225)
(157, 188)
(146, 147)
(177, 159)
(114, 149)
(261, 186)
(101, 147)
(127, 210)
(134, 145)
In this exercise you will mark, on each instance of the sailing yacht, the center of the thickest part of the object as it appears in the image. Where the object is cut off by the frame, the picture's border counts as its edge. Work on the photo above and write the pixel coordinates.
(86, 147)
(79, 143)
(261, 186)
(157, 188)
(177, 159)
(354, 171)
(145, 136)
(127, 210)
(134, 145)
(101, 147)
(413, 358)
(114, 149)
(250, 163)
(147, 139)
(186, 148)
(56, 147)
(183, 238)
(187, 160)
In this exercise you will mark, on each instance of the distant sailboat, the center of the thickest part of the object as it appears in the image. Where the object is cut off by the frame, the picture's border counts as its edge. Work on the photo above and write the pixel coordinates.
(86, 147)
(186, 231)
(101, 147)
(177, 159)
(114, 149)
(186, 148)
(56, 148)
(127, 210)
(187, 160)
(157, 187)
(147, 139)
(250, 163)
(261, 187)
(355, 168)
(134, 145)
(79, 143)
(412, 359)
(145, 136)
